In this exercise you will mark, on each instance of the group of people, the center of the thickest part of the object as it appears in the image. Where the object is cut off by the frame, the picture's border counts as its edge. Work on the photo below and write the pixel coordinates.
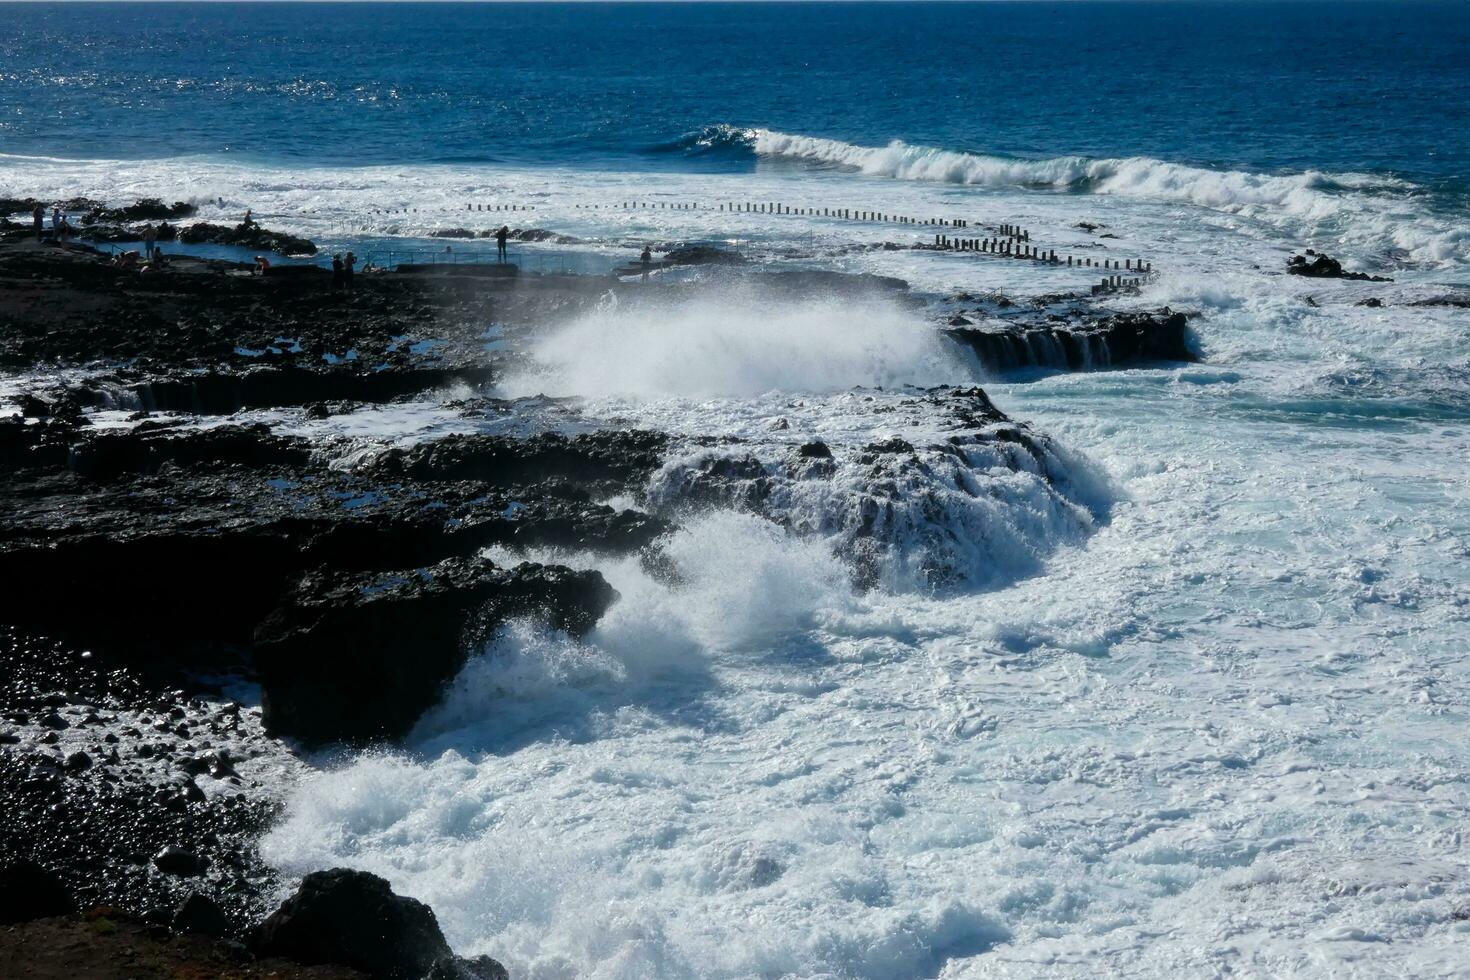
(343, 267)
(60, 227)
(149, 259)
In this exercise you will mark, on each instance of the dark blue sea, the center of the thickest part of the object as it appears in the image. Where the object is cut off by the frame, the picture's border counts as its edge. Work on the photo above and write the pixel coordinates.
(1295, 84)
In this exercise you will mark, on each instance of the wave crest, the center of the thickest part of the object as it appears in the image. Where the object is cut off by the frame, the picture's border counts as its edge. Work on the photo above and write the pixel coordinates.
(1377, 211)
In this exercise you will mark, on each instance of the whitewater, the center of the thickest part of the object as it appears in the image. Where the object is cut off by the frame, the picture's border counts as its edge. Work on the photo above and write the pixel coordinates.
(1192, 702)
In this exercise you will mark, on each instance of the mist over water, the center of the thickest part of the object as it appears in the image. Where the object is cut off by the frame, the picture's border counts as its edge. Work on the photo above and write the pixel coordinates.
(739, 342)
(1182, 695)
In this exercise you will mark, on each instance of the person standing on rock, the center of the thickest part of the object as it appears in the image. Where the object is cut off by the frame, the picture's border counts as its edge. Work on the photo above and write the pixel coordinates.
(337, 273)
(56, 224)
(38, 218)
(646, 260)
(501, 234)
(349, 264)
(150, 238)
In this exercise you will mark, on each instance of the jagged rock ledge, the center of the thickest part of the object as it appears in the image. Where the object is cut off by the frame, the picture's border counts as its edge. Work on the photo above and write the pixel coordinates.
(219, 531)
(1122, 338)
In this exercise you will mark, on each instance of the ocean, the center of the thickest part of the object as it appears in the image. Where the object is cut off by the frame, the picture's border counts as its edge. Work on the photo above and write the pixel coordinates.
(1196, 709)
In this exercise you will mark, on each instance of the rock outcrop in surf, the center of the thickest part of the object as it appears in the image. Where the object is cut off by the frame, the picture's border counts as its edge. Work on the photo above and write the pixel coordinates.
(1110, 341)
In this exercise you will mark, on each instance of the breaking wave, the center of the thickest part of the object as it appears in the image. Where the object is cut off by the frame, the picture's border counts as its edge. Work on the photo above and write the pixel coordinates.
(1379, 211)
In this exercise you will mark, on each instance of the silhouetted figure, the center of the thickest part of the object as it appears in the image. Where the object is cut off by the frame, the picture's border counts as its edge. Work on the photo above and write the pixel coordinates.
(248, 219)
(647, 260)
(500, 236)
(349, 265)
(56, 224)
(336, 272)
(38, 218)
(150, 238)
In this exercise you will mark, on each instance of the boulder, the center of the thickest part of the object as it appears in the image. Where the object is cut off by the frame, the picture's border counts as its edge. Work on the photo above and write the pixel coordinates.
(354, 919)
(28, 891)
(359, 656)
(180, 861)
(1320, 266)
(200, 914)
(1123, 338)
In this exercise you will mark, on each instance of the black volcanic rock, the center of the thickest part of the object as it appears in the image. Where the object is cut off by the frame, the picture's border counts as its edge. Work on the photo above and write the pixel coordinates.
(202, 914)
(1321, 266)
(146, 209)
(354, 919)
(250, 235)
(180, 861)
(702, 255)
(1123, 338)
(598, 457)
(28, 891)
(356, 657)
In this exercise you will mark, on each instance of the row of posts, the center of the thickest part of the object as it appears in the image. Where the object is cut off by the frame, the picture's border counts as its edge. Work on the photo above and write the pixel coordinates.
(1013, 245)
(756, 207)
(1017, 249)
(1114, 283)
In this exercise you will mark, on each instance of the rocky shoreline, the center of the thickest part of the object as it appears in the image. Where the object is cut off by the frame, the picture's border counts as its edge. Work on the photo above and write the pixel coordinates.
(177, 532)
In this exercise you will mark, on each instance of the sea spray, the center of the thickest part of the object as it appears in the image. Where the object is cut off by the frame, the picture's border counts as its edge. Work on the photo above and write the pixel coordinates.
(734, 341)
